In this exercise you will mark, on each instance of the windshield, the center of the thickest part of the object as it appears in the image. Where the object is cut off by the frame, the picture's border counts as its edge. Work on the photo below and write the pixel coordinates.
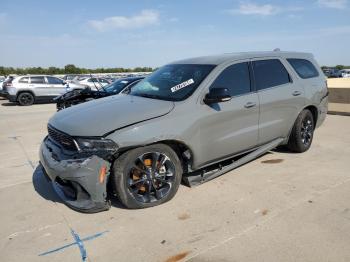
(117, 86)
(172, 82)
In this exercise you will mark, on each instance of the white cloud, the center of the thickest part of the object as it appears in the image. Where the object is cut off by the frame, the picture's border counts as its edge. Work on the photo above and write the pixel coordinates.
(261, 9)
(143, 19)
(337, 4)
(255, 9)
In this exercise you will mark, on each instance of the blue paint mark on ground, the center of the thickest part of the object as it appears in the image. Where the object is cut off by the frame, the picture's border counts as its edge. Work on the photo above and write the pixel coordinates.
(79, 242)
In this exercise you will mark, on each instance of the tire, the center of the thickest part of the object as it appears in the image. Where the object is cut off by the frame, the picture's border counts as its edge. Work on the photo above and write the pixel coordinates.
(302, 133)
(25, 99)
(137, 186)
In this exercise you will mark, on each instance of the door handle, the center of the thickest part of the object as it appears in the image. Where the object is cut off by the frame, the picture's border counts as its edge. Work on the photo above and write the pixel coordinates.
(249, 105)
(296, 93)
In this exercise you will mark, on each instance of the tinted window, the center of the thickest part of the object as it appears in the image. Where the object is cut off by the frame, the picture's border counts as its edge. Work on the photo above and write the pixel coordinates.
(24, 80)
(54, 80)
(269, 73)
(235, 78)
(37, 80)
(304, 68)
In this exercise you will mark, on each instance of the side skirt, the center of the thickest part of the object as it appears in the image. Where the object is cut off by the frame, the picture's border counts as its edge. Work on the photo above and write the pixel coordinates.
(201, 176)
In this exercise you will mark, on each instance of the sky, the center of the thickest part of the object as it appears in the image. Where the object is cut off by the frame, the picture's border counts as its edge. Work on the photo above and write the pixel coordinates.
(134, 33)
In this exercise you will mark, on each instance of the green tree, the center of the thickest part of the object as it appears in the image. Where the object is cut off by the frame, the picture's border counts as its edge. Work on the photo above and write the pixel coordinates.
(71, 69)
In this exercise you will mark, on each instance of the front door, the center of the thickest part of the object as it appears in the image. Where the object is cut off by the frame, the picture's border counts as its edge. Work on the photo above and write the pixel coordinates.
(56, 86)
(231, 127)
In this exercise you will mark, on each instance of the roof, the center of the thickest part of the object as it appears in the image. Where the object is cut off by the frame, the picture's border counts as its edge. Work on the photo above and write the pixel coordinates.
(219, 59)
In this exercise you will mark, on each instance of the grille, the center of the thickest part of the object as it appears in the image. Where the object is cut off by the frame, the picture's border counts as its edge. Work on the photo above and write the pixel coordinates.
(62, 139)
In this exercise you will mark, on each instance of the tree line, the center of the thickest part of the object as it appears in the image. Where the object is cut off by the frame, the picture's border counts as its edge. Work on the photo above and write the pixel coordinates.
(339, 67)
(68, 69)
(72, 69)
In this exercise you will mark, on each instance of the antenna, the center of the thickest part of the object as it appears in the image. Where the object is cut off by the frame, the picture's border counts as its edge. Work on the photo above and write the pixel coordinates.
(276, 49)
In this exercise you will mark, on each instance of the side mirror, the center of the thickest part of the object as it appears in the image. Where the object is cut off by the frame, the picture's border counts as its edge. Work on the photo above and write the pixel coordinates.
(217, 95)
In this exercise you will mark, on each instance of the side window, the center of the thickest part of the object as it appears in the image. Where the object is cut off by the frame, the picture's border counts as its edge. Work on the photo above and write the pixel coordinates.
(54, 80)
(270, 73)
(235, 78)
(304, 68)
(37, 80)
(24, 80)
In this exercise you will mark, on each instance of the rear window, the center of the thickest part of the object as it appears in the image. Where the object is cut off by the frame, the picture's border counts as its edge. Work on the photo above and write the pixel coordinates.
(270, 73)
(24, 80)
(37, 80)
(304, 68)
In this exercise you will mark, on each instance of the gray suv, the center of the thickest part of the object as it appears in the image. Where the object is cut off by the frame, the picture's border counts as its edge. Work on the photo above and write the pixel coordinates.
(191, 120)
(25, 90)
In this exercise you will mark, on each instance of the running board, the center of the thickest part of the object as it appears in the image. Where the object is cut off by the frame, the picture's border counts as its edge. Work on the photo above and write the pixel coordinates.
(198, 177)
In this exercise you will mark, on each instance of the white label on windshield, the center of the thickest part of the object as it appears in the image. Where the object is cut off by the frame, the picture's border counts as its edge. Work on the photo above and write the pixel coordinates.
(182, 85)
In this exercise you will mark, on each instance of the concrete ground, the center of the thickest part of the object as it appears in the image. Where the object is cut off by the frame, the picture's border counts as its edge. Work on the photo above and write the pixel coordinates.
(280, 207)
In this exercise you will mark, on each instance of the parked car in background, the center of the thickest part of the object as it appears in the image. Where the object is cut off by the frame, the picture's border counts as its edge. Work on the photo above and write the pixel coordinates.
(28, 89)
(2, 79)
(94, 82)
(193, 119)
(7, 82)
(345, 73)
(332, 72)
(74, 97)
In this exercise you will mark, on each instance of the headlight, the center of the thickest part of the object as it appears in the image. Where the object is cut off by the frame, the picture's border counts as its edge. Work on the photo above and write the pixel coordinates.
(96, 145)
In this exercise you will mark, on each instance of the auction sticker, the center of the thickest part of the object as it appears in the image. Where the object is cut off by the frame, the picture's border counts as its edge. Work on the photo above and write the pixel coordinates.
(182, 85)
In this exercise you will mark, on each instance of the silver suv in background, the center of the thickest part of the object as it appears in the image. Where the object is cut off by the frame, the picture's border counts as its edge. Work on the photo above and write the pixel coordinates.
(28, 89)
(193, 119)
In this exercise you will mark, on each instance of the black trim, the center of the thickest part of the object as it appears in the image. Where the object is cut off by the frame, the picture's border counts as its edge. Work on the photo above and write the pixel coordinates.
(252, 77)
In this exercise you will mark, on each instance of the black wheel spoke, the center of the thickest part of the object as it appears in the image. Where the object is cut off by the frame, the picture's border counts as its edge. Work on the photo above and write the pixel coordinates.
(135, 182)
(155, 158)
(139, 169)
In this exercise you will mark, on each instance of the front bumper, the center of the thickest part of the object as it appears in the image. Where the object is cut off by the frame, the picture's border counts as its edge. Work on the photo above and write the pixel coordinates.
(76, 179)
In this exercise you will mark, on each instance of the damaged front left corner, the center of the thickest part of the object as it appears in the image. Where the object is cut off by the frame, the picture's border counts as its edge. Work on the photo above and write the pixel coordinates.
(77, 179)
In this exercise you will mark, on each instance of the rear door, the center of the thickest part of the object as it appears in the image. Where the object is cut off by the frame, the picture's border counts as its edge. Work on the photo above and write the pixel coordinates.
(231, 127)
(39, 86)
(280, 98)
(56, 86)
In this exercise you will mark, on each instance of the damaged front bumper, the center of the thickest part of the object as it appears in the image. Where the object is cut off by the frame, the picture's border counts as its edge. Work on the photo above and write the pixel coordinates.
(80, 181)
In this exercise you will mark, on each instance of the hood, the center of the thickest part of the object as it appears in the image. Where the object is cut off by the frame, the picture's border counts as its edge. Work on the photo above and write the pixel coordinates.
(100, 116)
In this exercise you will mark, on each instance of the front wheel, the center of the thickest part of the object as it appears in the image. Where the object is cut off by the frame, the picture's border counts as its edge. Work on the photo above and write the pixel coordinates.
(147, 176)
(302, 133)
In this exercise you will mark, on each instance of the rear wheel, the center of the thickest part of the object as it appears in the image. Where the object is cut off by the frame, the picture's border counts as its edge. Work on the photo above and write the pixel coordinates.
(25, 99)
(302, 133)
(147, 176)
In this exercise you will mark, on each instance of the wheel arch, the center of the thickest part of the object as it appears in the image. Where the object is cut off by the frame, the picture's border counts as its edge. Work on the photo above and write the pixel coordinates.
(314, 111)
(182, 150)
(24, 91)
